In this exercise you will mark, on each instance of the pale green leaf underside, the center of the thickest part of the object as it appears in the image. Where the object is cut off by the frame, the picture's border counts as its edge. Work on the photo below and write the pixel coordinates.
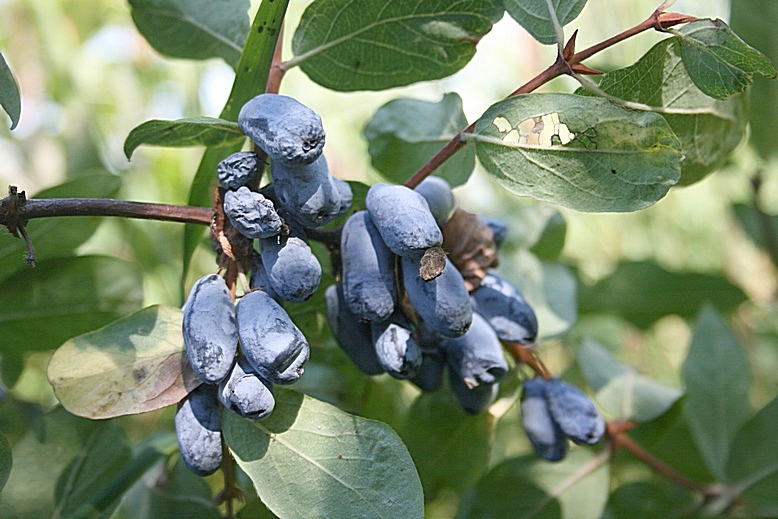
(134, 365)
(10, 99)
(194, 131)
(709, 129)
(349, 45)
(581, 152)
(718, 61)
(194, 29)
(536, 18)
(310, 459)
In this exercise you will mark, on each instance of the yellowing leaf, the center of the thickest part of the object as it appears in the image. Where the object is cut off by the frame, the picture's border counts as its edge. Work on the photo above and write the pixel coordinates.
(133, 365)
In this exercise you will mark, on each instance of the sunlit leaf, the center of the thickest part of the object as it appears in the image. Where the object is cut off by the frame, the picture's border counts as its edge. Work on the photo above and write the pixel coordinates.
(133, 365)
(753, 462)
(405, 133)
(575, 488)
(193, 29)
(718, 61)
(62, 298)
(718, 379)
(581, 152)
(754, 20)
(250, 80)
(196, 131)
(58, 237)
(642, 292)
(449, 447)
(621, 391)
(10, 99)
(60, 466)
(311, 459)
(538, 20)
(708, 129)
(378, 44)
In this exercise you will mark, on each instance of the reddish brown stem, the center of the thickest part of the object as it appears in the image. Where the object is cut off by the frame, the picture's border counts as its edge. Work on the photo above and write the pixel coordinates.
(659, 21)
(525, 354)
(47, 207)
(277, 72)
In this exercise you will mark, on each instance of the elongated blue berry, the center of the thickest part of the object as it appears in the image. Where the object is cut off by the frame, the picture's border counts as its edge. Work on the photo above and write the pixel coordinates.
(574, 412)
(308, 192)
(273, 345)
(352, 335)
(437, 193)
(292, 270)
(210, 329)
(395, 347)
(403, 218)
(245, 393)
(501, 303)
(473, 400)
(282, 127)
(476, 357)
(544, 433)
(368, 270)
(199, 430)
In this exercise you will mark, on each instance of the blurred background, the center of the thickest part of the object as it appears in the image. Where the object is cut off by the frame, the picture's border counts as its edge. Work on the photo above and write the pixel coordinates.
(87, 77)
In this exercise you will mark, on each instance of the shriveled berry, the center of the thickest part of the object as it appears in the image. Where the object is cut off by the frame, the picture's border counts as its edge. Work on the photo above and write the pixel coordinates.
(253, 215)
(237, 169)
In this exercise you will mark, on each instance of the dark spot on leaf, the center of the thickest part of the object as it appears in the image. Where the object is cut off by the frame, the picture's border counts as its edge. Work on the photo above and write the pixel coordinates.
(139, 374)
(357, 64)
(340, 456)
(260, 29)
(271, 31)
(613, 171)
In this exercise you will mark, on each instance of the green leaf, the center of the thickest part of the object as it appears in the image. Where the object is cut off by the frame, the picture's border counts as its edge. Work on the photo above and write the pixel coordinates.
(183, 494)
(756, 225)
(311, 459)
(717, 60)
(708, 129)
(378, 44)
(622, 392)
(449, 447)
(754, 20)
(61, 464)
(538, 20)
(405, 133)
(57, 237)
(528, 487)
(6, 461)
(133, 365)
(643, 292)
(549, 245)
(195, 131)
(753, 461)
(581, 152)
(61, 298)
(193, 29)
(250, 80)
(9, 93)
(646, 500)
(718, 380)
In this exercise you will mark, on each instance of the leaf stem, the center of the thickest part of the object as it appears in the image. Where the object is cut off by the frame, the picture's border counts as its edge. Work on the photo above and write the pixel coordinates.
(658, 20)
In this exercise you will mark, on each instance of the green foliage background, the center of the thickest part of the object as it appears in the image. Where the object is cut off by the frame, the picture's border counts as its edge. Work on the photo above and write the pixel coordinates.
(88, 77)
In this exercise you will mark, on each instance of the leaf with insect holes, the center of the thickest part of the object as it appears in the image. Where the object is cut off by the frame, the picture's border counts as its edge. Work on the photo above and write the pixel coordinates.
(718, 61)
(133, 365)
(581, 152)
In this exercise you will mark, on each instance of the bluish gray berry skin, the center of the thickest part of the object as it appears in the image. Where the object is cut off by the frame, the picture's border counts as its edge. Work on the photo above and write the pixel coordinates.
(499, 229)
(430, 375)
(345, 193)
(403, 218)
(210, 329)
(253, 215)
(472, 400)
(273, 345)
(292, 270)
(544, 433)
(237, 169)
(395, 347)
(476, 357)
(501, 303)
(437, 193)
(199, 430)
(353, 336)
(284, 128)
(574, 412)
(369, 284)
(443, 303)
(245, 393)
(308, 192)
(259, 279)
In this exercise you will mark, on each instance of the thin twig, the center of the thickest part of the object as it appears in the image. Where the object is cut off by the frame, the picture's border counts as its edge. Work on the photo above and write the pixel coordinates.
(50, 207)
